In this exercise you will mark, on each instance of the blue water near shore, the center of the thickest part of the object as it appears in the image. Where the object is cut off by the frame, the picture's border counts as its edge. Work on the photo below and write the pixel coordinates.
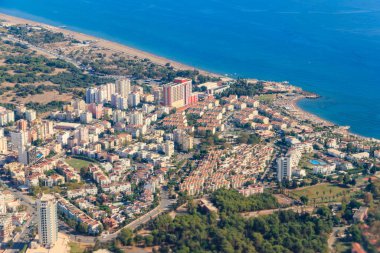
(328, 47)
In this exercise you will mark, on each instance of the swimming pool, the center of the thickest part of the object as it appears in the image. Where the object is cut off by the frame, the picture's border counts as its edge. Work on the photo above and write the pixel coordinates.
(317, 162)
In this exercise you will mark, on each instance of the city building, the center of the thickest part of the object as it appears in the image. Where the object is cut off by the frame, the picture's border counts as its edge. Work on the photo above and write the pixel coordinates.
(183, 140)
(169, 148)
(133, 99)
(6, 116)
(92, 95)
(178, 93)
(19, 139)
(86, 117)
(96, 110)
(6, 228)
(47, 220)
(284, 168)
(123, 87)
(3, 145)
(136, 118)
(30, 115)
(22, 125)
(28, 155)
(119, 102)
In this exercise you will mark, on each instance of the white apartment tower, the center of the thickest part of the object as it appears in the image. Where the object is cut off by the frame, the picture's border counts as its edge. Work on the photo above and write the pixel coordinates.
(169, 148)
(123, 87)
(19, 139)
(136, 118)
(133, 99)
(284, 168)
(30, 115)
(47, 220)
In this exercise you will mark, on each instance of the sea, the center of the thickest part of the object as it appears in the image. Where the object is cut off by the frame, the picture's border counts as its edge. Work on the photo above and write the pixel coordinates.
(324, 46)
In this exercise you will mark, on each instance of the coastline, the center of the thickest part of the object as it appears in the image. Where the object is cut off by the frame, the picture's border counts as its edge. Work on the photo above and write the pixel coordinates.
(317, 118)
(309, 115)
(113, 46)
(134, 52)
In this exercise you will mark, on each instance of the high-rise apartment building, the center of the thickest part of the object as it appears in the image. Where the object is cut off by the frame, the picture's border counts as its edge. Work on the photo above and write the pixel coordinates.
(96, 110)
(133, 99)
(284, 168)
(47, 220)
(6, 116)
(178, 93)
(3, 142)
(123, 87)
(28, 155)
(19, 139)
(30, 115)
(91, 95)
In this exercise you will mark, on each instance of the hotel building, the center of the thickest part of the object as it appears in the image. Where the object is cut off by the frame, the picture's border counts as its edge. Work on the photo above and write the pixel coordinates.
(178, 93)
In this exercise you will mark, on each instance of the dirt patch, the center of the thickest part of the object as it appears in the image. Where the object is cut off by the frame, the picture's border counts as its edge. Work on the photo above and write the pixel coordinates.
(38, 98)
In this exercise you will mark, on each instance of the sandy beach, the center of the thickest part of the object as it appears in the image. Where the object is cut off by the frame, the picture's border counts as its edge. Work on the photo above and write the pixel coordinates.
(113, 46)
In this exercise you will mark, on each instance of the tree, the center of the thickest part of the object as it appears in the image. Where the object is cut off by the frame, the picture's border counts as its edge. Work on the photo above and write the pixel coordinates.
(368, 198)
(353, 182)
(125, 236)
(304, 199)
(148, 240)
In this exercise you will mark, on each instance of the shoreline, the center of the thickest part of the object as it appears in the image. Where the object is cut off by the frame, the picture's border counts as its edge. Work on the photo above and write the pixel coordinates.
(113, 46)
(315, 117)
(325, 121)
(134, 52)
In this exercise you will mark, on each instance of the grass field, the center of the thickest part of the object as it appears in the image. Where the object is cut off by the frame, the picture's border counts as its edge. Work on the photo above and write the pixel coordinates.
(77, 163)
(342, 247)
(266, 98)
(322, 193)
(76, 248)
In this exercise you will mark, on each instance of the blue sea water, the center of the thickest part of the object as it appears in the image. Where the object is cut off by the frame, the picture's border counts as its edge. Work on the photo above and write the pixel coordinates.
(324, 46)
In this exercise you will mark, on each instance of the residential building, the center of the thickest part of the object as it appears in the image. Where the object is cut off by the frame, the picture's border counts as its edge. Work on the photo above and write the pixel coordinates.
(6, 228)
(19, 139)
(284, 168)
(123, 87)
(3, 145)
(133, 99)
(178, 93)
(86, 117)
(361, 214)
(30, 115)
(47, 220)
(6, 116)
(136, 118)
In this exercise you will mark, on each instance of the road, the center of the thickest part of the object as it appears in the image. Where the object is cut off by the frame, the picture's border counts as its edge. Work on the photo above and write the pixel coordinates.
(297, 209)
(62, 57)
(333, 236)
(14, 39)
(164, 205)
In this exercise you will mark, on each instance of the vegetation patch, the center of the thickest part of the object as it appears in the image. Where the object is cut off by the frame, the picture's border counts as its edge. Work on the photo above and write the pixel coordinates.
(322, 193)
(77, 163)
